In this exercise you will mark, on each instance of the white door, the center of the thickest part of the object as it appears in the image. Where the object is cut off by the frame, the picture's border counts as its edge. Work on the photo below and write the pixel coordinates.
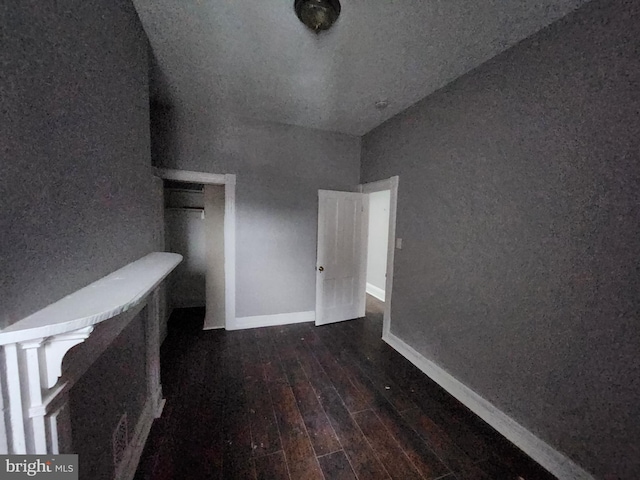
(342, 256)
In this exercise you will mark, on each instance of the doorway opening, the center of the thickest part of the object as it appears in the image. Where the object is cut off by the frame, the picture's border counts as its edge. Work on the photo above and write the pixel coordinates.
(341, 266)
(199, 224)
(377, 246)
(382, 244)
(184, 233)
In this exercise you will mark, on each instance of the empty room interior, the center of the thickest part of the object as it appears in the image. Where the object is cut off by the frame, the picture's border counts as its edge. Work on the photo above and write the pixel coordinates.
(321, 239)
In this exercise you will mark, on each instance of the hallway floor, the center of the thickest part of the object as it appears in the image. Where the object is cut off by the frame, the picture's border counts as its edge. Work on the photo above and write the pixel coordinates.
(302, 402)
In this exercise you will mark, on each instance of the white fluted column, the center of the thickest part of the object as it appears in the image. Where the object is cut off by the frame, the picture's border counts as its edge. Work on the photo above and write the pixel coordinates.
(34, 392)
(39, 417)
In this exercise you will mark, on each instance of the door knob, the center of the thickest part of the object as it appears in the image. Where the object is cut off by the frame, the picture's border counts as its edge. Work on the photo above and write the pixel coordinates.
(321, 269)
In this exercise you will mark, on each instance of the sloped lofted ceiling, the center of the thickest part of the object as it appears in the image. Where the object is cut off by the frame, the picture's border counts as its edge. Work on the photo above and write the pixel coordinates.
(255, 59)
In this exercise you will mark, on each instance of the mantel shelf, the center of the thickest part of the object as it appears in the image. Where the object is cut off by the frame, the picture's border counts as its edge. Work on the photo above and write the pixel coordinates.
(97, 302)
(34, 390)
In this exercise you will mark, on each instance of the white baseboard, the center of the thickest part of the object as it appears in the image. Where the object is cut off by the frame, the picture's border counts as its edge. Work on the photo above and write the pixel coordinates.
(129, 464)
(271, 320)
(375, 291)
(217, 327)
(543, 453)
(213, 323)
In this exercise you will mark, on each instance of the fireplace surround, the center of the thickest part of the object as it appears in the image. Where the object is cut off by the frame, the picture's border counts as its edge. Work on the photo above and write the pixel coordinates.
(35, 382)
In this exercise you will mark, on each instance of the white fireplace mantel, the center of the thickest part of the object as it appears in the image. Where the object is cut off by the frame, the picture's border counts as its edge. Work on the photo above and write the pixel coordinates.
(34, 417)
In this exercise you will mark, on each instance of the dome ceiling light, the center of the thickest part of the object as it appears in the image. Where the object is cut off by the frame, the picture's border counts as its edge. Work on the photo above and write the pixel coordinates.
(317, 14)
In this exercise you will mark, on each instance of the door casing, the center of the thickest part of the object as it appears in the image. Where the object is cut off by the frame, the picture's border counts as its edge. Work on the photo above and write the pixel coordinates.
(229, 182)
(390, 184)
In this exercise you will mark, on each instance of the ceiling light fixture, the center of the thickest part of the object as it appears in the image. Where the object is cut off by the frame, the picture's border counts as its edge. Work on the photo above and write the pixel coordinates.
(317, 14)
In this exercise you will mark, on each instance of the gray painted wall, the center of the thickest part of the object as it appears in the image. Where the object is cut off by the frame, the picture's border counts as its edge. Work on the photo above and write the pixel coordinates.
(519, 207)
(77, 196)
(279, 170)
(378, 239)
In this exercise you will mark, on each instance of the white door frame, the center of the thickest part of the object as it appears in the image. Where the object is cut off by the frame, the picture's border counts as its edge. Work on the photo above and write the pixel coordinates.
(392, 185)
(229, 182)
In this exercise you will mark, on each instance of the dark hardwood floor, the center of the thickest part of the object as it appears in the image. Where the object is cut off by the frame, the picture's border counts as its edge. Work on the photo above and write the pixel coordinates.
(303, 402)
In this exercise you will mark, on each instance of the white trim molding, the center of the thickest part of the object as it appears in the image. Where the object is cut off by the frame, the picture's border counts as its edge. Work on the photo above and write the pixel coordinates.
(229, 182)
(4, 439)
(104, 299)
(35, 388)
(543, 453)
(376, 292)
(191, 177)
(256, 321)
(230, 248)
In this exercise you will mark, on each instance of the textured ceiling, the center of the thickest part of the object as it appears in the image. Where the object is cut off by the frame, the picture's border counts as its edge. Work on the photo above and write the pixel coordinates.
(255, 59)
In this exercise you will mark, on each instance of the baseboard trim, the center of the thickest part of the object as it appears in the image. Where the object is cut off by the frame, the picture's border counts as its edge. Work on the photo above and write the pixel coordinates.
(543, 453)
(213, 324)
(256, 321)
(375, 291)
(129, 465)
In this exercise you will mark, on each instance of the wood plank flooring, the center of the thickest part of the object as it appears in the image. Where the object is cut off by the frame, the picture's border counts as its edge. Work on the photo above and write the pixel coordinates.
(301, 402)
